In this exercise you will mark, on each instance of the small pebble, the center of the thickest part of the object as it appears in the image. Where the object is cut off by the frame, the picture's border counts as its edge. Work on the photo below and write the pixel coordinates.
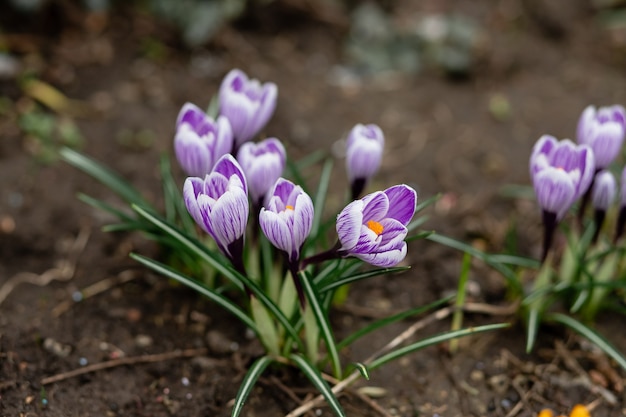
(143, 340)
(185, 381)
(505, 403)
(77, 296)
(83, 361)
(188, 396)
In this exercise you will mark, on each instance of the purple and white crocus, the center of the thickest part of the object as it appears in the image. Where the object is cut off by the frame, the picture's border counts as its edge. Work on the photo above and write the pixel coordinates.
(287, 218)
(263, 164)
(561, 173)
(364, 152)
(247, 104)
(373, 228)
(200, 141)
(219, 205)
(603, 129)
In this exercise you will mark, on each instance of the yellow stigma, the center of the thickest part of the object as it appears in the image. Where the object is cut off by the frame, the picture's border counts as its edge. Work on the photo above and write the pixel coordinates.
(288, 207)
(375, 227)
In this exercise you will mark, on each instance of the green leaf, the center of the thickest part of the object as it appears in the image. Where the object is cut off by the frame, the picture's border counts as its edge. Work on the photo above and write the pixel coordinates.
(363, 275)
(320, 197)
(444, 337)
(217, 262)
(321, 317)
(101, 205)
(248, 382)
(316, 379)
(378, 324)
(589, 334)
(105, 175)
(362, 370)
(532, 328)
(196, 286)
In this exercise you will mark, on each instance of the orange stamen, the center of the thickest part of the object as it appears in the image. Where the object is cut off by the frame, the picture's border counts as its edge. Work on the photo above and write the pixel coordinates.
(288, 207)
(375, 227)
(545, 413)
(580, 410)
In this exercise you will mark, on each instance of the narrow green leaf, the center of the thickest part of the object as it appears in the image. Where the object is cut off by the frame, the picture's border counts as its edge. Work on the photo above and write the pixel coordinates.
(362, 370)
(363, 275)
(421, 206)
(248, 382)
(320, 197)
(457, 318)
(532, 327)
(316, 379)
(174, 203)
(101, 205)
(590, 334)
(444, 337)
(228, 272)
(378, 324)
(105, 175)
(321, 317)
(214, 107)
(196, 286)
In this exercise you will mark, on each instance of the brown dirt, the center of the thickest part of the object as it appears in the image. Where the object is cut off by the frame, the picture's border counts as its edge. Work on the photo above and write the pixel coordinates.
(441, 137)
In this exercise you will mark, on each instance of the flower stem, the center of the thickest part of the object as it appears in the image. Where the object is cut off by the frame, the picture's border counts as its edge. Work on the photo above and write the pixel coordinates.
(332, 253)
(549, 227)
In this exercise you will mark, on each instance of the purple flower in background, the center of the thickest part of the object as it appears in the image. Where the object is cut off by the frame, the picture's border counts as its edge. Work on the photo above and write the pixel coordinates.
(363, 155)
(373, 228)
(219, 205)
(263, 164)
(200, 141)
(561, 173)
(247, 104)
(604, 190)
(602, 196)
(603, 130)
(287, 218)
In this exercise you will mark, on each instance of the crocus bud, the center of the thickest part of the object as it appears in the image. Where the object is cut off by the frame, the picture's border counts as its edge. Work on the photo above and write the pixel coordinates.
(200, 141)
(247, 104)
(603, 130)
(287, 218)
(604, 190)
(219, 205)
(561, 173)
(373, 228)
(363, 156)
(263, 164)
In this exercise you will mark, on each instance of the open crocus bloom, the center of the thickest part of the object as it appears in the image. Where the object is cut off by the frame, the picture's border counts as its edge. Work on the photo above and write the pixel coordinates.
(247, 104)
(200, 141)
(603, 130)
(263, 164)
(219, 204)
(287, 218)
(364, 151)
(374, 228)
(561, 173)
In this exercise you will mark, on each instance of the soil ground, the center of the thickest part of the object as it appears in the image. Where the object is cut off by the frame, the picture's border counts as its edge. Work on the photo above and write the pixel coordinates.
(547, 62)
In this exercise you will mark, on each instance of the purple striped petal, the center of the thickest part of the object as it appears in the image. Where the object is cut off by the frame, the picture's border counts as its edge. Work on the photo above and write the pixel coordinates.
(555, 191)
(385, 259)
(376, 206)
(402, 203)
(349, 223)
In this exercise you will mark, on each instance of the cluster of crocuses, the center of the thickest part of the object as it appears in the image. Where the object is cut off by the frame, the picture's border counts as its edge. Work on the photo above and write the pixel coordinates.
(564, 172)
(229, 174)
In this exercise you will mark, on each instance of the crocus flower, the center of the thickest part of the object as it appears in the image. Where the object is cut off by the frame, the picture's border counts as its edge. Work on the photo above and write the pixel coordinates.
(287, 218)
(373, 228)
(219, 205)
(200, 141)
(363, 156)
(247, 104)
(603, 130)
(561, 173)
(263, 164)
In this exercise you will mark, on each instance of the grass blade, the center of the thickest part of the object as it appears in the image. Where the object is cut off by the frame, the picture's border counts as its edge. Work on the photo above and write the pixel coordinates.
(389, 320)
(363, 275)
(444, 337)
(196, 286)
(101, 205)
(589, 334)
(248, 382)
(103, 174)
(320, 198)
(316, 379)
(322, 321)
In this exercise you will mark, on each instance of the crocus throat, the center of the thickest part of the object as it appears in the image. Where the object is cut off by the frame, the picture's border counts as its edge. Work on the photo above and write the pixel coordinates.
(375, 227)
(288, 207)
